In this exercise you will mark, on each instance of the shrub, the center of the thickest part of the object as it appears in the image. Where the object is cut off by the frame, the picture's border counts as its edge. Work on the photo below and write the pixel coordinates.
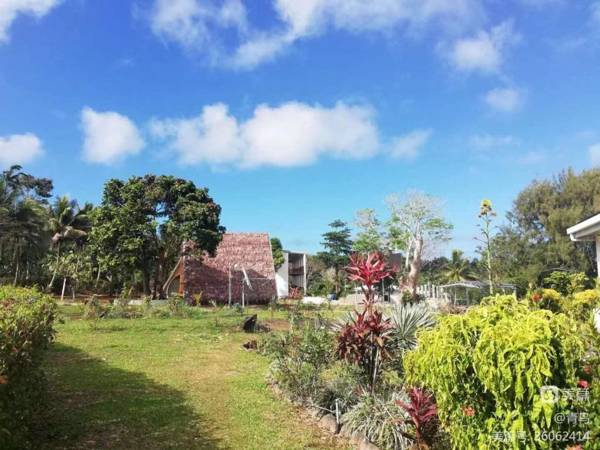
(546, 299)
(487, 369)
(406, 320)
(26, 331)
(176, 305)
(338, 387)
(422, 413)
(92, 309)
(580, 306)
(381, 420)
(566, 283)
(298, 365)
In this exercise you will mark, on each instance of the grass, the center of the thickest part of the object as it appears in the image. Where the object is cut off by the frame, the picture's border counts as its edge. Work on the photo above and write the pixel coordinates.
(167, 384)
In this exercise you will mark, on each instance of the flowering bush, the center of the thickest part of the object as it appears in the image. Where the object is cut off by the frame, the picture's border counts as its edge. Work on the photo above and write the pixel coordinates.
(546, 299)
(26, 330)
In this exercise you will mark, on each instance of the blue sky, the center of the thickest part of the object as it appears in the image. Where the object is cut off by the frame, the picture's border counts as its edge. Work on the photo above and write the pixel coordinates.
(298, 112)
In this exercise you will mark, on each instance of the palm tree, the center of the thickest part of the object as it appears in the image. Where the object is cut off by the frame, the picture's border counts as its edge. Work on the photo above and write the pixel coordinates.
(68, 222)
(458, 268)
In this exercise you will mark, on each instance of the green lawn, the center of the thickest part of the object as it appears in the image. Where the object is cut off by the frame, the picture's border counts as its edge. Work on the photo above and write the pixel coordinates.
(167, 384)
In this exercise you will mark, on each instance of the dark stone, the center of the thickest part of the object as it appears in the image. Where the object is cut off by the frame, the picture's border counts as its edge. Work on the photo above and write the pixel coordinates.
(249, 324)
(250, 345)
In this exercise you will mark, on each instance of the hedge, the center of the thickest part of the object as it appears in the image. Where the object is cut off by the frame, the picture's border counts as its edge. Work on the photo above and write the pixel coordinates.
(26, 331)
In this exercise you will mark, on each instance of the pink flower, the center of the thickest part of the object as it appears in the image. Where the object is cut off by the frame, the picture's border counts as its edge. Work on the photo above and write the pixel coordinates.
(583, 384)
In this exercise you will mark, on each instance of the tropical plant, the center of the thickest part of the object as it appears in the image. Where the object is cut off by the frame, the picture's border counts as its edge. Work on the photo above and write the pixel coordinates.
(487, 369)
(364, 338)
(546, 299)
(407, 320)
(458, 268)
(381, 419)
(422, 413)
(68, 223)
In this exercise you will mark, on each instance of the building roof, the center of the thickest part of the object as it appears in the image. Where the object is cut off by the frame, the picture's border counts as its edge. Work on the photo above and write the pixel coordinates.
(586, 230)
(250, 251)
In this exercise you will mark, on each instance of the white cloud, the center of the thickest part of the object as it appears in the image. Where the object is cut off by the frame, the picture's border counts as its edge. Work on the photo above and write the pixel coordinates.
(19, 149)
(10, 9)
(483, 52)
(197, 24)
(409, 146)
(490, 141)
(292, 134)
(109, 136)
(594, 154)
(504, 99)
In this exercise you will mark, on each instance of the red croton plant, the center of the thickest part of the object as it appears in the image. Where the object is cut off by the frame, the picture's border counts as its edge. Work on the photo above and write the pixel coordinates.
(362, 341)
(422, 413)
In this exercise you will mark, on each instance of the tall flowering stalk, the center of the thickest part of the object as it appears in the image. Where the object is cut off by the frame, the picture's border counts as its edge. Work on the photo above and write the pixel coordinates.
(362, 341)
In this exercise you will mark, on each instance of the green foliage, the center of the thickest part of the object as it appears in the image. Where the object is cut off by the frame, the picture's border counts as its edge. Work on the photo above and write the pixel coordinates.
(487, 367)
(406, 321)
(380, 420)
(298, 364)
(92, 308)
(580, 306)
(277, 251)
(566, 283)
(535, 238)
(338, 245)
(546, 299)
(338, 387)
(369, 238)
(26, 331)
(141, 223)
(458, 268)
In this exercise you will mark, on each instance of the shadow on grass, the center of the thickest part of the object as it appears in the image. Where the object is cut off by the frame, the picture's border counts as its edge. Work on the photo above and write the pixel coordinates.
(93, 405)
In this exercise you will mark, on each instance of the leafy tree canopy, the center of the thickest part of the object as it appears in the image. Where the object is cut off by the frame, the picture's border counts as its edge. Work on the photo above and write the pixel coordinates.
(277, 251)
(142, 222)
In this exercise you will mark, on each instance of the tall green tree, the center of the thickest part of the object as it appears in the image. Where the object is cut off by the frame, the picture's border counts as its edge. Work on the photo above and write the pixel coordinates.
(68, 223)
(141, 224)
(534, 242)
(458, 268)
(369, 237)
(277, 251)
(416, 222)
(23, 224)
(337, 243)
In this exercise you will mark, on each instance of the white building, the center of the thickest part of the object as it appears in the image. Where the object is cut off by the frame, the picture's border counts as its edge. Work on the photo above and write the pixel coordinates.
(291, 274)
(588, 230)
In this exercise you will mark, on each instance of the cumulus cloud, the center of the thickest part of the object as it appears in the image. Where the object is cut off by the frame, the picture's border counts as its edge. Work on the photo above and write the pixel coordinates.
(19, 149)
(504, 99)
(197, 24)
(289, 135)
(10, 9)
(483, 52)
(410, 145)
(490, 141)
(109, 136)
(594, 154)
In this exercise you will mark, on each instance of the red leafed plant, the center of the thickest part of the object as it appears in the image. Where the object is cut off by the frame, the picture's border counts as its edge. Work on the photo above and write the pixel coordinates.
(362, 341)
(422, 411)
(368, 271)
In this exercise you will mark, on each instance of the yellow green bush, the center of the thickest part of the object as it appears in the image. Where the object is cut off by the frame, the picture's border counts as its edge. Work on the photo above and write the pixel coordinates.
(487, 369)
(26, 330)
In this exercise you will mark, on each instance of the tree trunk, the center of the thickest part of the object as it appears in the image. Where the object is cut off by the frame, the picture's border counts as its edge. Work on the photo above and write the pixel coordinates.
(62, 294)
(415, 267)
(55, 267)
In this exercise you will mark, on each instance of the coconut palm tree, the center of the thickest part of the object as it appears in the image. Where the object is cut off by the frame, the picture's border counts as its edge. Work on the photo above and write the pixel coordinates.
(68, 223)
(458, 268)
